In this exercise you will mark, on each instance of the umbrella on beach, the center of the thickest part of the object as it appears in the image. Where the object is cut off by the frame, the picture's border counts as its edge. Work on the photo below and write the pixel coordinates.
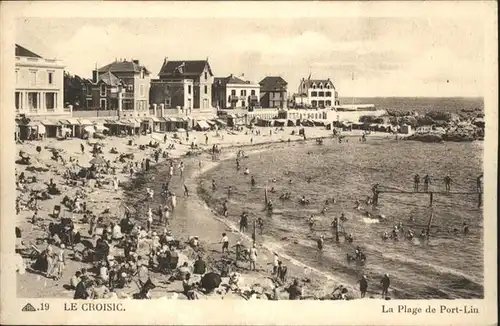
(211, 281)
(98, 161)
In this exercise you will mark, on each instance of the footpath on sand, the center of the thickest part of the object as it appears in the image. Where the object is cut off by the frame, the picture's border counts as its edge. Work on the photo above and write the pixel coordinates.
(192, 217)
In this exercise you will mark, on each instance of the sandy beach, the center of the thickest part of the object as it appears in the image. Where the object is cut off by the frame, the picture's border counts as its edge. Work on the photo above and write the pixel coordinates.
(191, 215)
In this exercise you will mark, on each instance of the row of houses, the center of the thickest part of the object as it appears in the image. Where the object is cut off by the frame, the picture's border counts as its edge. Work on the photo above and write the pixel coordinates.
(185, 87)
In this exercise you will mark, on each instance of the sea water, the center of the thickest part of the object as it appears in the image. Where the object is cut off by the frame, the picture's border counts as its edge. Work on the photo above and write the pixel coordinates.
(448, 265)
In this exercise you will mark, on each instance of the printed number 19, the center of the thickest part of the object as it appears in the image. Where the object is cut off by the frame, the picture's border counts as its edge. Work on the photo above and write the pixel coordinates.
(44, 306)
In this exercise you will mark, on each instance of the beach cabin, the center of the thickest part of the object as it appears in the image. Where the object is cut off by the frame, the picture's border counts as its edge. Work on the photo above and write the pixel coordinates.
(405, 129)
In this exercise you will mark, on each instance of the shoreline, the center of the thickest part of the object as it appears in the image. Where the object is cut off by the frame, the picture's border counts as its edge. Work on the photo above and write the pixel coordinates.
(99, 197)
(318, 283)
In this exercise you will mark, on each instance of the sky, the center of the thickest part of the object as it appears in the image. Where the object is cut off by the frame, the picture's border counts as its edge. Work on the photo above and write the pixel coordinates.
(439, 56)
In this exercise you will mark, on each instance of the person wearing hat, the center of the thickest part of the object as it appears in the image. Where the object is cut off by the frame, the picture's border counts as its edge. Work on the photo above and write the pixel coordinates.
(363, 285)
(385, 282)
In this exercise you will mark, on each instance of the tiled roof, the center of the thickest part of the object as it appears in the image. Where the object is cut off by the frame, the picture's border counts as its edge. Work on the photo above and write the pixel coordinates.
(123, 66)
(109, 79)
(273, 82)
(231, 79)
(23, 52)
(184, 68)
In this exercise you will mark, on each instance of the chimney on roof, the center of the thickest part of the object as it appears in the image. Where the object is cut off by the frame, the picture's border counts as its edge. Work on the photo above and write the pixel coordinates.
(94, 76)
(136, 62)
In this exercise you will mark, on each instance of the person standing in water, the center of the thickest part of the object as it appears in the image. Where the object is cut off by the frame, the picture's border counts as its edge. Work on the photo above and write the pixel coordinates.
(243, 222)
(311, 222)
(465, 228)
(320, 243)
(447, 183)
(416, 182)
(427, 182)
(363, 285)
(385, 282)
(479, 183)
(224, 208)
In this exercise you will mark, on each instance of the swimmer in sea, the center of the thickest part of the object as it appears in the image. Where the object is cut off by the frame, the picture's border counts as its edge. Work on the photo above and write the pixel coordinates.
(358, 205)
(323, 211)
(349, 238)
(385, 235)
(343, 218)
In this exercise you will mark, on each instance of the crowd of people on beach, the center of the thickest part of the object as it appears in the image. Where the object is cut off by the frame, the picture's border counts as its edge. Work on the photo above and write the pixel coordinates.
(129, 248)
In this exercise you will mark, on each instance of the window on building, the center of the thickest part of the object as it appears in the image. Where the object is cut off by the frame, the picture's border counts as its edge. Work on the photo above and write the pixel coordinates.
(252, 92)
(321, 94)
(142, 73)
(233, 92)
(51, 78)
(89, 103)
(243, 104)
(19, 100)
(328, 103)
(88, 88)
(103, 89)
(321, 103)
(206, 75)
(33, 100)
(189, 89)
(328, 94)
(50, 101)
(313, 86)
(206, 89)
(314, 103)
(327, 85)
(314, 93)
(141, 90)
(130, 88)
(32, 77)
(229, 98)
(102, 104)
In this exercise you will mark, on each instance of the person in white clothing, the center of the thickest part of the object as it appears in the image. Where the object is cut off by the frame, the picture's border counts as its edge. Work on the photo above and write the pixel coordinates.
(150, 219)
(253, 257)
(173, 201)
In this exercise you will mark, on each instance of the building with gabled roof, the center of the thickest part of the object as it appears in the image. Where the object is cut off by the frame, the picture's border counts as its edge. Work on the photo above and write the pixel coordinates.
(196, 74)
(235, 93)
(273, 92)
(121, 85)
(39, 85)
(316, 93)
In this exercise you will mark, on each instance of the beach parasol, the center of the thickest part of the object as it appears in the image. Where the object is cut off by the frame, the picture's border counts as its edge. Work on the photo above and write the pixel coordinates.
(98, 161)
(211, 281)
